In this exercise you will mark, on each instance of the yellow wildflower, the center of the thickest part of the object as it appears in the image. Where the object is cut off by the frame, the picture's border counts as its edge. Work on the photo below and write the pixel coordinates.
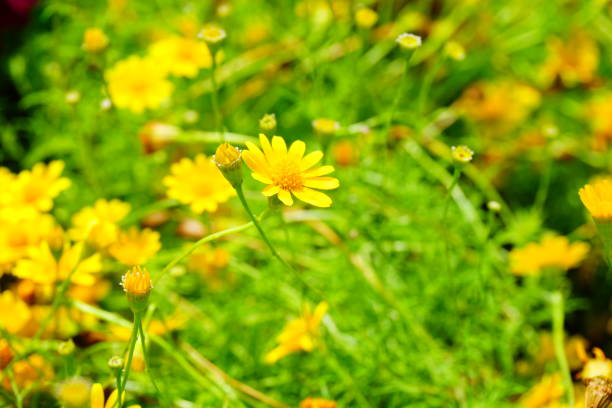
(138, 84)
(408, 41)
(599, 114)
(135, 247)
(344, 153)
(98, 224)
(598, 366)
(365, 17)
(183, 57)
(27, 372)
(97, 398)
(597, 198)
(551, 252)
(73, 392)
(94, 40)
(16, 313)
(317, 403)
(212, 34)
(547, 392)
(455, 50)
(41, 266)
(325, 126)
(199, 183)
(299, 334)
(573, 61)
(137, 285)
(268, 122)
(462, 154)
(289, 172)
(38, 187)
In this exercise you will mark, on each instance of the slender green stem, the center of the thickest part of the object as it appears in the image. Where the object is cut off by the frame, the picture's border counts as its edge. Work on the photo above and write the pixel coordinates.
(214, 98)
(455, 180)
(556, 301)
(15, 387)
(273, 250)
(398, 96)
(147, 362)
(128, 366)
(426, 84)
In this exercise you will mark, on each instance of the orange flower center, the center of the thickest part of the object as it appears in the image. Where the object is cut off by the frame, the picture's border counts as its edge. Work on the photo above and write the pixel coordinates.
(287, 175)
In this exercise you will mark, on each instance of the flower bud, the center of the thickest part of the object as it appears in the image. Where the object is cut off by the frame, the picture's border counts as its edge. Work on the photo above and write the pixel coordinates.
(228, 160)
(325, 126)
(115, 363)
(267, 124)
(137, 285)
(66, 348)
(94, 40)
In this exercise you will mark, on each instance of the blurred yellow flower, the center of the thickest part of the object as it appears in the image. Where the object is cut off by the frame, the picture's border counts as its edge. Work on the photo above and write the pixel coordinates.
(138, 84)
(38, 187)
(199, 183)
(462, 154)
(317, 403)
(212, 34)
(289, 172)
(134, 247)
(73, 392)
(97, 398)
(455, 50)
(573, 61)
(365, 17)
(597, 366)
(325, 126)
(551, 252)
(545, 394)
(29, 371)
(183, 57)
(15, 312)
(300, 334)
(597, 198)
(598, 113)
(408, 41)
(98, 224)
(94, 40)
(41, 266)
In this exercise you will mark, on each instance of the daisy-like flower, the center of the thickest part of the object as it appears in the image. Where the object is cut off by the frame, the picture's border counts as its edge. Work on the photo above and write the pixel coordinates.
(366, 17)
(41, 266)
(462, 154)
(183, 57)
(94, 40)
(135, 247)
(597, 198)
(138, 84)
(289, 172)
(137, 286)
(98, 224)
(547, 393)
(551, 252)
(38, 187)
(73, 392)
(212, 34)
(198, 183)
(325, 126)
(408, 41)
(300, 334)
(19, 314)
(97, 398)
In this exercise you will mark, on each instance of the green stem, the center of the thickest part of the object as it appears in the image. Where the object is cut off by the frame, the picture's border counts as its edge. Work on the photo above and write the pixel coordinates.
(128, 366)
(556, 301)
(147, 362)
(14, 386)
(455, 180)
(214, 97)
(396, 99)
(263, 235)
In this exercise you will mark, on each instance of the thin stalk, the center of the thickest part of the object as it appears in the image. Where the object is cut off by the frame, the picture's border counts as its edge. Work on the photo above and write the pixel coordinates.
(455, 180)
(214, 98)
(128, 366)
(556, 301)
(426, 85)
(398, 96)
(14, 387)
(147, 362)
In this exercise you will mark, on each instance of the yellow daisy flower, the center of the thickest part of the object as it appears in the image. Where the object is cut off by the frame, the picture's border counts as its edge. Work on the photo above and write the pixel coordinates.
(19, 314)
(97, 398)
(73, 392)
(135, 247)
(547, 392)
(299, 334)
(198, 183)
(365, 17)
(597, 198)
(180, 56)
(41, 266)
(94, 40)
(38, 187)
(551, 252)
(138, 84)
(98, 224)
(289, 172)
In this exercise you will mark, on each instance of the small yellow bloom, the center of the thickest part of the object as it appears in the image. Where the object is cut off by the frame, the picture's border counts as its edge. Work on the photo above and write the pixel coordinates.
(325, 126)
(137, 281)
(94, 40)
(227, 155)
(300, 334)
(462, 154)
(289, 172)
(598, 366)
(199, 183)
(16, 313)
(268, 123)
(180, 56)
(551, 252)
(455, 50)
(597, 198)
(97, 398)
(135, 247)
(547, 392)
(38, 187)
(98, 224)
(138, 84)
(32, 370)
(408, 41)
(366, 17)
(317, 403)
(73, 392)
(573, 61)
(22, 230)
(598, 113)
(212, 34)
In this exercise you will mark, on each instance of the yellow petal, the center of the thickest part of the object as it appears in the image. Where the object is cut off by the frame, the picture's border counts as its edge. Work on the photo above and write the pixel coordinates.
(285, 197)
(311, 159)
(313, 197)
(261, 177)
(297, 149)
(270, 190)
(318, 171)
(97, 396)
(265, 144)
(279, 145)
(322, 183)
(112, 399)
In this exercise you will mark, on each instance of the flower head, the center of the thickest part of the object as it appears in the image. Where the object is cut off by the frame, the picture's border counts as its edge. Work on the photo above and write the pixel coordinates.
(325, 126)
(38, 187)
(212, 34)
(98, 224)
(455, 50)
(94, 40)
(551, 252)
(317, 403)
(137, 285)
(408, 41)
(299, 335)
(134, 247)
(462, 154)
(288, 171)
(227, 158)
(138, 84)
(198, 182)
(19, 315)
(183, 57)
(268, 123)
(547, 392)
(598, 392)
(365, 17)
(73, 392)
(597, 198)
(573, 60)
(97, 398)
(597, 366)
